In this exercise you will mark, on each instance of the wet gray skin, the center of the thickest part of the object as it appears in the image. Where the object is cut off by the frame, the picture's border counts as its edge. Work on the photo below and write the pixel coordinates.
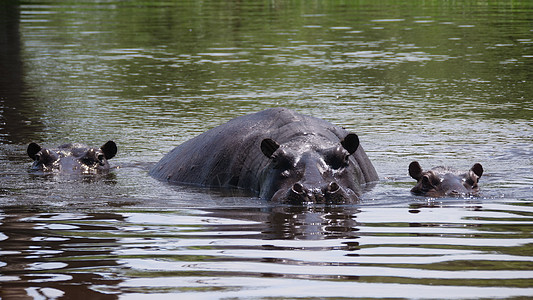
(443, 182)
(300, 173)
(76, 158)
(277, 154)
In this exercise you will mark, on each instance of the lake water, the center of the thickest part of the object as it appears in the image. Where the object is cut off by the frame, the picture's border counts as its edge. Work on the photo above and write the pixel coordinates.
(442, 82)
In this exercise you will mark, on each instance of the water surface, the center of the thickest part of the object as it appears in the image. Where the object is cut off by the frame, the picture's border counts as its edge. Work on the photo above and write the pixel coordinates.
(444, 83)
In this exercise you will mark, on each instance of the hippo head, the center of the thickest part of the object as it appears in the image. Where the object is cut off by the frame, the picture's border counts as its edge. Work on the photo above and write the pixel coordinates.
(72, 157)
(311, 169)
(440, 181)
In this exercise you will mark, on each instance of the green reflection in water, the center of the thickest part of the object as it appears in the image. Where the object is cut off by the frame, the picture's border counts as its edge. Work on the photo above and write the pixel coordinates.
(200, 57)
(154, 73)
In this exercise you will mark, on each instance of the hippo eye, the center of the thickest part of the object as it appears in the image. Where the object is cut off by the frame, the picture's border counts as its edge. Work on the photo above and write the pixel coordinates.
(282, 162)
(337, 160)
(430, 181)
(37, 157)
(469, 182)
(101, 157)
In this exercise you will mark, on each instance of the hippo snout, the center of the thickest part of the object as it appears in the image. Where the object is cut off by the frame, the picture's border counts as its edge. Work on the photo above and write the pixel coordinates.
(301, 194)
(332, 193)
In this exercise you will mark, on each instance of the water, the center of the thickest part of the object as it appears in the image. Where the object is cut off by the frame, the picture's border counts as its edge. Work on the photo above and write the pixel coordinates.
(444, 83)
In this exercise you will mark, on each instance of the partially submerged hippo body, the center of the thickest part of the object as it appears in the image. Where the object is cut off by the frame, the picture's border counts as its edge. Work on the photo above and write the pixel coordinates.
(277, 154)
(441, 182)
(76, 158)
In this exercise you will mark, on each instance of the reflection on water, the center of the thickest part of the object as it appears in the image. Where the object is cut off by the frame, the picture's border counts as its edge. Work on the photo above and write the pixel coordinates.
(18, 118)
(36, 254)
(444, 83)
(457, 249)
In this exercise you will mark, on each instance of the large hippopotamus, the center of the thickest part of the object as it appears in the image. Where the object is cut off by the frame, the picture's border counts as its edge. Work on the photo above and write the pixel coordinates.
(77, 158)
(278, 155)
(441, 181)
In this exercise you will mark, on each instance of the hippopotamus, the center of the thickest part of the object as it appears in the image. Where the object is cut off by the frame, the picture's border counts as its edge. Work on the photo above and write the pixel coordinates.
(72, 157)
(443, 182)
(276, 154)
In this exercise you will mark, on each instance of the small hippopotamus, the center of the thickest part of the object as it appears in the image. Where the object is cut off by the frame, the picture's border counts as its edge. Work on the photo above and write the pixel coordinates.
(278, 155)
(443, 182)
(72, 158)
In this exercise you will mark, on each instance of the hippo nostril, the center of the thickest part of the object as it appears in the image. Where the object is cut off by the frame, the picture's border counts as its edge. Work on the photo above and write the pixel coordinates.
(333, 187)
(298, 188)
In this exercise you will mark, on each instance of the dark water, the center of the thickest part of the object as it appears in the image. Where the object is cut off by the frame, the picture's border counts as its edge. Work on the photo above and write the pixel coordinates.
(441, 82)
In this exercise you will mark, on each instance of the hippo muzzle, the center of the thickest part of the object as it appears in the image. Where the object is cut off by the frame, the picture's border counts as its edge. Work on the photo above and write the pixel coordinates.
(311, 174)
(331, 193)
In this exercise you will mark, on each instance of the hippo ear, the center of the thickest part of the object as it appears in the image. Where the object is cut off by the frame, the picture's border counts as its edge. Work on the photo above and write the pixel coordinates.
(109, 149)
(33, 149)
(268, 147)
(350, 142)
(477, 169)
(415, 170)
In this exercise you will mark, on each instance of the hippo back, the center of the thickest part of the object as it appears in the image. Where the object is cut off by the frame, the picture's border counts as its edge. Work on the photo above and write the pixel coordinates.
(229, 155)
